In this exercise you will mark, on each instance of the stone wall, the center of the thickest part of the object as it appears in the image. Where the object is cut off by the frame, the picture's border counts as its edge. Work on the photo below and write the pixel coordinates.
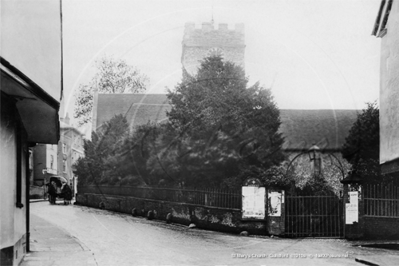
(211, 218)
(206, 41)
(333, 168)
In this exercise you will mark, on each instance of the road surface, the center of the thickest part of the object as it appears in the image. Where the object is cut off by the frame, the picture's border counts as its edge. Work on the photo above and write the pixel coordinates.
(120, 239)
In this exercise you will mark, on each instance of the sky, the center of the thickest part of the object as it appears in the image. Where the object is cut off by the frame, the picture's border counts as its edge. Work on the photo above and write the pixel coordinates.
(312, 54)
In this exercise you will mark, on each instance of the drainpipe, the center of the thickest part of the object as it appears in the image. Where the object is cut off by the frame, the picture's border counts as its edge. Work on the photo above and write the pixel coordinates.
(27, 204)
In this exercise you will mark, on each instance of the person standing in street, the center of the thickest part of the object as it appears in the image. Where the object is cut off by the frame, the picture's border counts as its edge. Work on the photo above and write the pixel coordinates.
(52, 192)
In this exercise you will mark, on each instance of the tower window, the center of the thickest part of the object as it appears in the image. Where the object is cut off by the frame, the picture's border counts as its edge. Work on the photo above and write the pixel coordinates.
(51, 161)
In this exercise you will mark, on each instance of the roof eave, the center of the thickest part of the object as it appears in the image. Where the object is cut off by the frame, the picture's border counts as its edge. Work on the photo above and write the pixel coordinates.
(37, 109)
(378, 19)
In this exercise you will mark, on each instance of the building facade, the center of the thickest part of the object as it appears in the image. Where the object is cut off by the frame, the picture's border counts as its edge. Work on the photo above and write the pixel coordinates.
(44, 163)
(50, 160)
(70, 149)
(30, 93)
(386, 27)
(324, 130)
(200, 43)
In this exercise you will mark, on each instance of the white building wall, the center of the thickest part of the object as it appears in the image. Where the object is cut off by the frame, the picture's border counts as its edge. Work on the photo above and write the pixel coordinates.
(389, 88)
(20, 215)
(7, 183)
(31, 43)
(12, 219)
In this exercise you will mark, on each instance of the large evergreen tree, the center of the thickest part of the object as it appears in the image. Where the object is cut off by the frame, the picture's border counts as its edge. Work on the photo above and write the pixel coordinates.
(223, 127)
(362, 146)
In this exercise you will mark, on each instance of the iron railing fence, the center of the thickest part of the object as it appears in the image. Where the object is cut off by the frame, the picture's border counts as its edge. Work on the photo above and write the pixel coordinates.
(381, 200)
(230, 199)
(313, 215)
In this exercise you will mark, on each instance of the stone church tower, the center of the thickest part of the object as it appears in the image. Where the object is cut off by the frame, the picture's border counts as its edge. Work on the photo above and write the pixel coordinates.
(200, 43)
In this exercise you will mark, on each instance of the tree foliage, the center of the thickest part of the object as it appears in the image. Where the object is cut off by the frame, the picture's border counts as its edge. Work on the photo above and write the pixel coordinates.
(362, 146)
(220, 131)
(101, 164)
(112, 76)
(223, 126)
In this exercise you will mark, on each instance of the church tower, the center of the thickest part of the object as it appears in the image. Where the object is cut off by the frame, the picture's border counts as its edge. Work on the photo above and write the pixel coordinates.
(203, 42)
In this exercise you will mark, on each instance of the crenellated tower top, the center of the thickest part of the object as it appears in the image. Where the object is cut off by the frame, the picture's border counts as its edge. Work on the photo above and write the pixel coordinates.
(199, 43)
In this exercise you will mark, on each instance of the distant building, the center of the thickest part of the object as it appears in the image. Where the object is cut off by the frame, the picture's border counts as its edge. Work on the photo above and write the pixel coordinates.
(200, 43)
(386, 27)
(44, 163)
(50, 160)
(70, 149)
(30, 66)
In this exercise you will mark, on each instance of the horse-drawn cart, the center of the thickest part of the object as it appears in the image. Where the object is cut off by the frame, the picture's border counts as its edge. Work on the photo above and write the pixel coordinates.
(58, 187)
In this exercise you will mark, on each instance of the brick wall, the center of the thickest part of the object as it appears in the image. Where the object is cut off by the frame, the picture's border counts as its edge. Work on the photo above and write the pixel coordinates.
(380, 228)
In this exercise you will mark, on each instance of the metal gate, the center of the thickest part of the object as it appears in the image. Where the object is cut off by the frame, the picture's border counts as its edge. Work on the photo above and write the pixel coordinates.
(313, 216)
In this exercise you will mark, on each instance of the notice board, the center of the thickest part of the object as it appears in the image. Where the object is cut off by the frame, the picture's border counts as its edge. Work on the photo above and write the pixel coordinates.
(352, 208)
(253, 202)
(275, 199)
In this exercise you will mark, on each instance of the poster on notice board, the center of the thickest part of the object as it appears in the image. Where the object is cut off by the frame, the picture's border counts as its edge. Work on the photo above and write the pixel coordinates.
(253, 202)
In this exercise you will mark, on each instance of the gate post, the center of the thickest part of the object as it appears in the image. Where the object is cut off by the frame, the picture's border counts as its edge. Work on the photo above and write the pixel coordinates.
(353, 207)
(276, 211)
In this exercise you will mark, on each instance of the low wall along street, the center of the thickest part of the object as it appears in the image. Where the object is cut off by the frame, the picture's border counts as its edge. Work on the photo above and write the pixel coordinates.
(380, 228)
(205, 217)
(272, 212)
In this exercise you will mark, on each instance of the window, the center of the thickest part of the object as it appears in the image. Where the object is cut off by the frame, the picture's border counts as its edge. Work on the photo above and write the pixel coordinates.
(64, 166)
(317, 166)
(51, 161)
(64, 149)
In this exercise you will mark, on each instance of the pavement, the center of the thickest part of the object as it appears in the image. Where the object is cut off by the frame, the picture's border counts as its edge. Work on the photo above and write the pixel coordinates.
(50, 244)
(37, 200)
(376, 259)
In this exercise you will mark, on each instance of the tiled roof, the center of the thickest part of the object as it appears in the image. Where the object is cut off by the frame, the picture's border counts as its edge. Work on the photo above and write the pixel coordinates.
(325, 128)
(138, 108)
(301, 128)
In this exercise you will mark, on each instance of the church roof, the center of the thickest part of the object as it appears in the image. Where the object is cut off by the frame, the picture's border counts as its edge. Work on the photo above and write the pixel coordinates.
(301, 128)
(326, 128)
(138, 108)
